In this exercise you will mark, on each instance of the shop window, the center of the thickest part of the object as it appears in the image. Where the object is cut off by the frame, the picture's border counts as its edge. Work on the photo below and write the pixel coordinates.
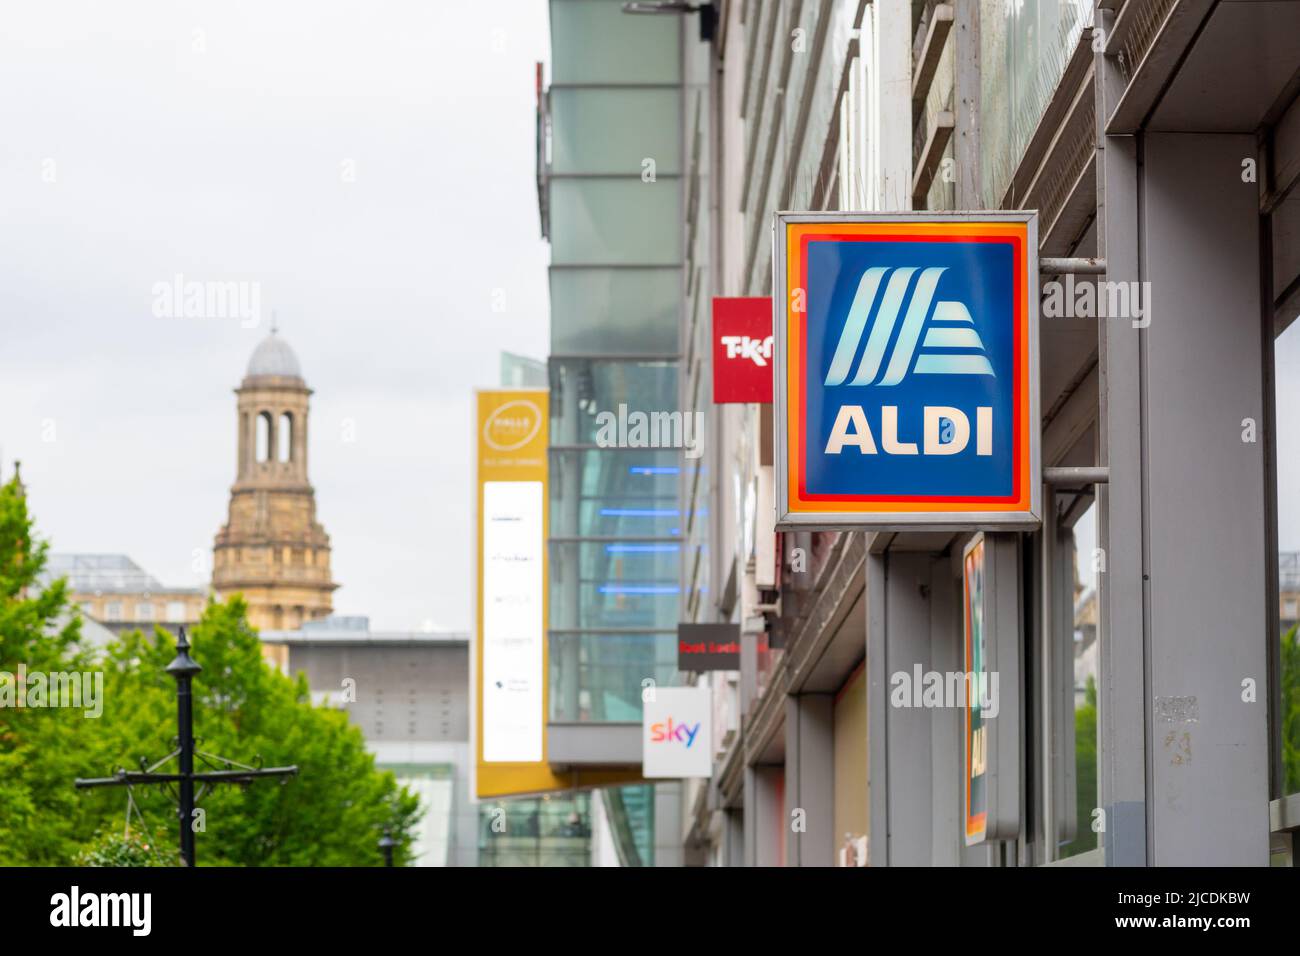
(1287, 434)
(1087, 667)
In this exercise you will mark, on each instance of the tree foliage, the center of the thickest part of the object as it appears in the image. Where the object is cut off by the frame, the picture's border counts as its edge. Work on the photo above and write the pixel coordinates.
(331, 814)
(1085, 773)
(1290, 711)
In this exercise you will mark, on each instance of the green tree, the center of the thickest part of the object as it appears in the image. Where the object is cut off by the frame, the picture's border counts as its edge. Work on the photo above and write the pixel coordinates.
(1291, 712)
(37, 631)
(131, 849)
(1085, 773)
(331, 814)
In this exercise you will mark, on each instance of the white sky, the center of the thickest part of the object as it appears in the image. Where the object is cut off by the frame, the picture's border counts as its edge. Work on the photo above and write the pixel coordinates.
(225, 163)
(209, 139)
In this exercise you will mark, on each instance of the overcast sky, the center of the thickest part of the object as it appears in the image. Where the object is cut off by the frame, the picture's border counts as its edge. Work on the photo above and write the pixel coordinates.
(214, 139)
(217, 140)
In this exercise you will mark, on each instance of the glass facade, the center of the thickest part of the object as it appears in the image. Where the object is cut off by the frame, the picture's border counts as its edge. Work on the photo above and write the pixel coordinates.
(611, 131)
(632, 822)
(615, 199)
(620, 311)
(547, 831)
(599, 676)
(435, 835)
(593, 42)
(1023, 49)
(617, 222)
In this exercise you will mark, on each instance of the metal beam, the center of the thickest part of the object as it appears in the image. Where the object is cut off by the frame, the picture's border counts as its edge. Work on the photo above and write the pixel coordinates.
(1079, 266)
(1076, 475)
(927, 64)
(936, 142)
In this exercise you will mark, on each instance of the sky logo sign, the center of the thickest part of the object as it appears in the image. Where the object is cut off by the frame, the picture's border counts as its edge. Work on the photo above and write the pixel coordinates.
(669, 732)
(906, 369)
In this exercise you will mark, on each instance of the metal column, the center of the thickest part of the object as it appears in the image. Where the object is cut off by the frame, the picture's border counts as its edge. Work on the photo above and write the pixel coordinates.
(810, 780)
(1121, 530)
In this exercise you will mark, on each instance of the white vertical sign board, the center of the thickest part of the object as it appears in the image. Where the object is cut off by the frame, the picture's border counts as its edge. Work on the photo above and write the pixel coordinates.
(512, 621)
(677, 733)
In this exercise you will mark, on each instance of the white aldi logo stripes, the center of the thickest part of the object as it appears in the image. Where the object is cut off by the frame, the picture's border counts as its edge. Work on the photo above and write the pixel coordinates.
(949, 328)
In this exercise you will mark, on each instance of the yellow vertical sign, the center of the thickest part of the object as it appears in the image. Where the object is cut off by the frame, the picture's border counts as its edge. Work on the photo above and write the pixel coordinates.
(509, 679)
(510, 628)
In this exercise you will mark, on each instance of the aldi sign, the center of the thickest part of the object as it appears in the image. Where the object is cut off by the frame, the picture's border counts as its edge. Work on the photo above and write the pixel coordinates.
(906, 370)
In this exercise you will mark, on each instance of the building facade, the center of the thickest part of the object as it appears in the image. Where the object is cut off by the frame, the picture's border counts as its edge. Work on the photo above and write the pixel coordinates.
(114, 591)
(407, 692)
(1156, 137)
(272, 549)
(611, 191)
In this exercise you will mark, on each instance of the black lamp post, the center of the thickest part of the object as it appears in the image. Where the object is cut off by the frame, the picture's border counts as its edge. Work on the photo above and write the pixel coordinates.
(386, 843)
(184, 668)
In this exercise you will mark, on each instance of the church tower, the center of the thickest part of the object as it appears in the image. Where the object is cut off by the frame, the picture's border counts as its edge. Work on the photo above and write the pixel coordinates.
(272, 549)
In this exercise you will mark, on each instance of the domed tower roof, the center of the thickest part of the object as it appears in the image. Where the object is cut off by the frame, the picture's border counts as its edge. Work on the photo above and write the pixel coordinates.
(273, 358)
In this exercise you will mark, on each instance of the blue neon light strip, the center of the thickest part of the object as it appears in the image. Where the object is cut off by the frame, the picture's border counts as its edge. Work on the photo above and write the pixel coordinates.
(637, 589)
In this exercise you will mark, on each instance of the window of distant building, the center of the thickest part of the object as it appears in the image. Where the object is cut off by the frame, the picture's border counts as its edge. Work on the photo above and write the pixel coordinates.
(264, 436)
(1289, 609)
(175, 611)
(286, 437)
(113, 611)
(144, 611)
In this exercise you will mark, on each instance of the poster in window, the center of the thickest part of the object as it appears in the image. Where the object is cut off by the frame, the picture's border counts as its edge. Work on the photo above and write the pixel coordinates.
(976, 657)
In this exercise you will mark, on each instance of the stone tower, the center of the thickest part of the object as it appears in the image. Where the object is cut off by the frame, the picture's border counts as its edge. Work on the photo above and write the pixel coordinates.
(272, 549)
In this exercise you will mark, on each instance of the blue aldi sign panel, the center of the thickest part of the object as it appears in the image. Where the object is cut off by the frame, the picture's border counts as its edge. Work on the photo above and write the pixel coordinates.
(906, 366)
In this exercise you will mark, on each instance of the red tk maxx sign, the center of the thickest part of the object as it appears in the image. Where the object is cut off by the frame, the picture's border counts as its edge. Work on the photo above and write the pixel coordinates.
(742, 349)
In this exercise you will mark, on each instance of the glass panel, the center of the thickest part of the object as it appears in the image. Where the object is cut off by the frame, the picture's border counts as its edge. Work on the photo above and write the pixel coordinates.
(1286, 364)
(546, 831)
(632, 823)
(627, 493)
(599, 584)
(594, 41)
(616, 130)
(1286, 243)
(598, 677)
(581, 389)
(519, 371)
(1023, 51)
(1086, 668)
(614, 311)
(616, 222)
